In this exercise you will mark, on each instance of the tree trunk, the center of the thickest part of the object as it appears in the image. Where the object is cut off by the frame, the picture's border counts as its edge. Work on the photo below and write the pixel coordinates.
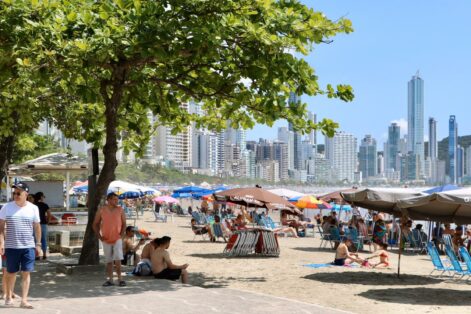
(89, 254)
(6, 146)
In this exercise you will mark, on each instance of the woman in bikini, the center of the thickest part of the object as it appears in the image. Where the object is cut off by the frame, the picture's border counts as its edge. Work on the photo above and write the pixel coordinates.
(383, 256)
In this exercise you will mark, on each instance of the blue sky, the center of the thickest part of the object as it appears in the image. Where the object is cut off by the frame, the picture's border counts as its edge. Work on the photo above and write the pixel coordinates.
(391, 41)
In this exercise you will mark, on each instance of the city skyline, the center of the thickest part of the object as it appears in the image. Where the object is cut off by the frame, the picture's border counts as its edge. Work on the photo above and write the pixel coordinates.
(378, 60)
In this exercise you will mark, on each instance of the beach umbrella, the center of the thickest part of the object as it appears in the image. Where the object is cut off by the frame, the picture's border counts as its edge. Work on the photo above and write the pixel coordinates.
(335, 196)
(450, 206)
(309, 201)
(166, 199)
(380, 199)
(256, 197)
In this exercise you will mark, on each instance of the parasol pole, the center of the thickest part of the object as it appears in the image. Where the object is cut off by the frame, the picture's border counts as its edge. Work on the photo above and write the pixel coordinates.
(401, 242)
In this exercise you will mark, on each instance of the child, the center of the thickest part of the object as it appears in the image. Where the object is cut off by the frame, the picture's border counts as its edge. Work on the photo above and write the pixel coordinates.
(383, 256)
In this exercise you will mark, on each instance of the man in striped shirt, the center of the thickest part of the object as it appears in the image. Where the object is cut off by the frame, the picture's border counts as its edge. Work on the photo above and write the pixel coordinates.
(19, 220)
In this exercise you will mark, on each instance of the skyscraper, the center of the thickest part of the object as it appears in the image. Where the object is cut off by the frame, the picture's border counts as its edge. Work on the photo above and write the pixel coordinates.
(341, 151)
(368, 157)
(415, 120)
(452, 145)
(459, 164)
(394, 135)
(312, 136)
(432, 139)
(297, 137)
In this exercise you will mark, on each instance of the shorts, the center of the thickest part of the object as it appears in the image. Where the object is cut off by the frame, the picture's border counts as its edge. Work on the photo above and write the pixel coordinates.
(339, 261)
(20, 259)
(169, 274)
(113, 252)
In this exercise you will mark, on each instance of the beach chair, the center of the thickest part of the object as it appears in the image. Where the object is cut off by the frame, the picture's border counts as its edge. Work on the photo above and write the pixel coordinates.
(352, 234)
(217, 232)
(442, 265)
(196, 234)
(198, 217)
(447, 240)
(335, 237)
(325, 237)
(455, 263)
(159, 217)
(466, 257)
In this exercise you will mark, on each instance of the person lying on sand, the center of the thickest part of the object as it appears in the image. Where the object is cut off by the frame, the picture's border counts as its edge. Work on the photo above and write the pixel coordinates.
(343, 256)
(383, 256)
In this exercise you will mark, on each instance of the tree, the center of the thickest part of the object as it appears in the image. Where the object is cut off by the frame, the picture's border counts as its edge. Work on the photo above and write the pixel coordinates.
(21, 109)
(110, 63)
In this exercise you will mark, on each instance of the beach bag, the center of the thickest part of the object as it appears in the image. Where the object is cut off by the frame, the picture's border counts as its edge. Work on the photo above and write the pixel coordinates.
(142, 269)
(301, 234)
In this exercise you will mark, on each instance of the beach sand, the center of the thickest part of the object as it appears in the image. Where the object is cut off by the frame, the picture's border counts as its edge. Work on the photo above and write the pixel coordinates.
(357, 290)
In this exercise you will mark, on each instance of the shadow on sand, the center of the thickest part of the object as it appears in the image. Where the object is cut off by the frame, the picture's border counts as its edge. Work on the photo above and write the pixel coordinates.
(203, 281)
(372, 278)
(314, 249)
(421, 296)
(221, 255)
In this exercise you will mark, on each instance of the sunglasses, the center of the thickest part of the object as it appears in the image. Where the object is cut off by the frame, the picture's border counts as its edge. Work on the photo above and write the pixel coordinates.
(16, 193)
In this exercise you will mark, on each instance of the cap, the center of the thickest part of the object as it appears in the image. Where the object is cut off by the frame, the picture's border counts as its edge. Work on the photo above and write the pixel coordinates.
(22, 186)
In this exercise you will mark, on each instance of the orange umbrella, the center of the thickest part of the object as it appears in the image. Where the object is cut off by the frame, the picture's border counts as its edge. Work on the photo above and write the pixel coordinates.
(311, 202)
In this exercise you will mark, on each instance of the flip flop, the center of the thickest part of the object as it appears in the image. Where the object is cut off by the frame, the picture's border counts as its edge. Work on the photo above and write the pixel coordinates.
(26, 306)
(122, 283)
(8, 302)
(108, 283)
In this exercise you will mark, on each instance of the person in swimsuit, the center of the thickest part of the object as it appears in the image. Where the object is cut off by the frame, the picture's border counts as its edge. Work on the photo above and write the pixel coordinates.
(162, 266)
(343, 255)
(383, 256)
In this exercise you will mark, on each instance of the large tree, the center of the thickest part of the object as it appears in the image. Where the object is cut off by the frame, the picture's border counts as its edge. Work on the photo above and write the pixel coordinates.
(21, 106)
(110, 63)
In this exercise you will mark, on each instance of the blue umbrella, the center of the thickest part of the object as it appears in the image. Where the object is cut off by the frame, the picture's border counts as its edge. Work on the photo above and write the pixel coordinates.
(190, 189)
(442, 188)
(338, 207)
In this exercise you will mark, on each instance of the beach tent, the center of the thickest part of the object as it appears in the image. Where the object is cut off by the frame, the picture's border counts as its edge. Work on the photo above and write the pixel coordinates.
(442, 188)
(450, 206)
(256, 197)
(286, 193)
(380, 199)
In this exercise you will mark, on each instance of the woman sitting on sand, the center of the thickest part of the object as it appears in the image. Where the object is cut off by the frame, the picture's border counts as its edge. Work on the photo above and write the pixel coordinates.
(343, 255)
(383, 255)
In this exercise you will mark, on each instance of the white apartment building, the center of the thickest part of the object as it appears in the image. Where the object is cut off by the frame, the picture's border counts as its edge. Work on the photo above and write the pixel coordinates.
(341, 152)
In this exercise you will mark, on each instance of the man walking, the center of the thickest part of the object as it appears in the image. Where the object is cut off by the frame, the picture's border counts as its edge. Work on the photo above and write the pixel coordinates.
(110, 226)
(21, 218)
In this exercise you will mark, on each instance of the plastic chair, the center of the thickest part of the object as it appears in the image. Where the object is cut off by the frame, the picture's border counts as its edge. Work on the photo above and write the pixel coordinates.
(455, 263)
(438, 263)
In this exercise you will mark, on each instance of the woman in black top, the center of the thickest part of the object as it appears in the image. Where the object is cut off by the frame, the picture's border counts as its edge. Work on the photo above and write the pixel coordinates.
(44, 216)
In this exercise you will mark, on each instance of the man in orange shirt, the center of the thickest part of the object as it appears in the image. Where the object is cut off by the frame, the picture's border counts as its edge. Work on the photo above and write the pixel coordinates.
(110, 226)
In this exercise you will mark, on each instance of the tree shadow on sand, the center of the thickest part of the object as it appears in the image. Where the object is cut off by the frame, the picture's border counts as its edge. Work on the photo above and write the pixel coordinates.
(371, 278)
(204, 281)
(421, 296)
(313, 249)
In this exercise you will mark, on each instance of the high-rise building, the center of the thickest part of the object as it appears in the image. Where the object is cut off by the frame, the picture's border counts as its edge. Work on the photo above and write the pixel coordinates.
(432, 139)
(415, 120)
(297, 137)
(177, 149)
(312, 136)
(286, 136)
(341, 151)
(392, 146)
(368, 157)
(459, 163)
(452, 145)
(280, 154)
(380, 163)
(468, 161)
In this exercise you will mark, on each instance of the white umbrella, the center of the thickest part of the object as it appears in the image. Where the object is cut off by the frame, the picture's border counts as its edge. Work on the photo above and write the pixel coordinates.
(286, 193)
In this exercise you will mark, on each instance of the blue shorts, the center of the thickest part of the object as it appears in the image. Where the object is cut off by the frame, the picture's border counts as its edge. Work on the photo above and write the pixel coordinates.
(20, 259)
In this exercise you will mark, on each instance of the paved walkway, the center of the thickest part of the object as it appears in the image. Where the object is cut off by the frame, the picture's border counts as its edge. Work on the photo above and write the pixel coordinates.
(81, 292)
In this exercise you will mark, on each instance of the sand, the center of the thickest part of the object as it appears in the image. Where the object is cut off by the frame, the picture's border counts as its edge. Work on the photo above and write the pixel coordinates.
(357, 290)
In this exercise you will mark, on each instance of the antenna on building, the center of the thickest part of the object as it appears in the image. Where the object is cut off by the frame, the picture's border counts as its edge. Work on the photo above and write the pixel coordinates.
(417, 74)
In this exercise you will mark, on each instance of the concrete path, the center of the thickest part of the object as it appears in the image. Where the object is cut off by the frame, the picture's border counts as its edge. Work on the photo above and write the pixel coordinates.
(81, 292)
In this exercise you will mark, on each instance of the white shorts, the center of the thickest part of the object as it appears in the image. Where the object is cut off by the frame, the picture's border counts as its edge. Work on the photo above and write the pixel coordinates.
(113, 252)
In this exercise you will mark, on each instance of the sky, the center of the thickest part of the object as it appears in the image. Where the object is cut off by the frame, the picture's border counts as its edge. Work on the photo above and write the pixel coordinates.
(392, 40)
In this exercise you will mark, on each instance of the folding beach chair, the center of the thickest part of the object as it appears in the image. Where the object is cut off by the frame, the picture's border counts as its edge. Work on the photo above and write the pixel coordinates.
(457, 266)
(465, 256)
(439, 264)
(217, 232)
(325, 237)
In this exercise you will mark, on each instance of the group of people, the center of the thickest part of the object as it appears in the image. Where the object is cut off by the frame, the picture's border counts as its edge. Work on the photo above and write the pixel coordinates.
(120, 248)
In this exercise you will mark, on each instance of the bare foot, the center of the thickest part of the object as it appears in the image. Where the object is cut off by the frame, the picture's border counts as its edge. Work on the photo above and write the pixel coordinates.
(26, 305)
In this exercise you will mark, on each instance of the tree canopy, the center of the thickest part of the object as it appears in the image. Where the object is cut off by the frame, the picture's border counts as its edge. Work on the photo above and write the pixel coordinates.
(107, 65)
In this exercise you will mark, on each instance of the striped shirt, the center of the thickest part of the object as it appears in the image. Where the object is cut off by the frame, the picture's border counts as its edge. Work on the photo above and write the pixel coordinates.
(19, 233)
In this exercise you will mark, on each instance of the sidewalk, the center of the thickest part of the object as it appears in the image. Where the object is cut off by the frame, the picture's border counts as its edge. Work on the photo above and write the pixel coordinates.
(82, 293)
